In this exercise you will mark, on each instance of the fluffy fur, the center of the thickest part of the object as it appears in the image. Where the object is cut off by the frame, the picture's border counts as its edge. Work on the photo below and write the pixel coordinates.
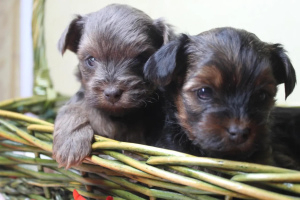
(285, 136)
(115, 101)
(219, 88)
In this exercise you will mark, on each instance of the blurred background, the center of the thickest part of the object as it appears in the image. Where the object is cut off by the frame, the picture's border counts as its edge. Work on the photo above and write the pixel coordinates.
(273, 21)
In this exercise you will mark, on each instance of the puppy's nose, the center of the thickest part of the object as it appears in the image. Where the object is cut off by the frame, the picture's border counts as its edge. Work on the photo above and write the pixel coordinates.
(238, 134)
(112, 94)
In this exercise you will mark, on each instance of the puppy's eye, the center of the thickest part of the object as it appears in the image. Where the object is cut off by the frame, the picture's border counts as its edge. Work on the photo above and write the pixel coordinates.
(262, 96)
(90, 62)
(205, 93)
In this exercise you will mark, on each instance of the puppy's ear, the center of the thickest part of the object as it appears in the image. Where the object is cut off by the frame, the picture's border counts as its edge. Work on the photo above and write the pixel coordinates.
(71, 36)
(162, 66)
(283, 69)
(166, 30)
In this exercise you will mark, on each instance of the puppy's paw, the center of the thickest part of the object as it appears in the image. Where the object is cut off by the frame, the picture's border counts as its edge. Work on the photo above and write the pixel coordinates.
(71, 146)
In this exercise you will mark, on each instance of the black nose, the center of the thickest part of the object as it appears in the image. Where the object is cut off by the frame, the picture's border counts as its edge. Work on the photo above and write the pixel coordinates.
(112, 94)
(238, 134)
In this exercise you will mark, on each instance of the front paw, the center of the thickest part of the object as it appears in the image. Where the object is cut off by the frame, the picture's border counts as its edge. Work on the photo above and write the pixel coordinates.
(71, 146)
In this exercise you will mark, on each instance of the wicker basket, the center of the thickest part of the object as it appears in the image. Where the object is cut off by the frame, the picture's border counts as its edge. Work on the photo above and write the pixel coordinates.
(118, 169)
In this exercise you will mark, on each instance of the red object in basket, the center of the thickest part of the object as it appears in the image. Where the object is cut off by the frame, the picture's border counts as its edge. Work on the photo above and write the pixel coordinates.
(77, 196)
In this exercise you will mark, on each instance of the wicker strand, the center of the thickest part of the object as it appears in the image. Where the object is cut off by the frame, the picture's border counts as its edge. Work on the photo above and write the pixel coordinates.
(154, 176)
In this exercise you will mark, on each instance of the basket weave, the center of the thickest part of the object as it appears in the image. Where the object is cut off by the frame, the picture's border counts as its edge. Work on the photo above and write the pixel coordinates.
(118, 169)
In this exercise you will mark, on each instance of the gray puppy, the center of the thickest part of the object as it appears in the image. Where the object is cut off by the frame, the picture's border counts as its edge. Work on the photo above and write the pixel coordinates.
(115, 101)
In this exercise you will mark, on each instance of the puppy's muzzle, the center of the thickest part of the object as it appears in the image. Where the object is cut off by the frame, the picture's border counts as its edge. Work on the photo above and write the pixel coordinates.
(238, 133)
(112, 94)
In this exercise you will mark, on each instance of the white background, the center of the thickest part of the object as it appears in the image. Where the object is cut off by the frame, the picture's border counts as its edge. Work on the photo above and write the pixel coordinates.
(274, 21)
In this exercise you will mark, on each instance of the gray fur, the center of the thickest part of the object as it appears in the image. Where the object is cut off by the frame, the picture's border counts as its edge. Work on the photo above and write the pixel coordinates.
(120, 39)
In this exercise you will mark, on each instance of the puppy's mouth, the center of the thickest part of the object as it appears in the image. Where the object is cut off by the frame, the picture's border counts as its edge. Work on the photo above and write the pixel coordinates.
(241, 151)
(222, 144)
(115, 109)
(117, 102)
(231, 151)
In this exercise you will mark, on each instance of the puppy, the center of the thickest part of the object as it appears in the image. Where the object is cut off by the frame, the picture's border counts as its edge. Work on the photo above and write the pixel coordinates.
(286, 136)
(219, 88)
(114, 100)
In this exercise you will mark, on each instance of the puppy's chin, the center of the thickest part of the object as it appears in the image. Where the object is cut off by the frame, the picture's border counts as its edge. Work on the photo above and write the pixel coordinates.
(216, 143)
(116, 110)
(230, 151)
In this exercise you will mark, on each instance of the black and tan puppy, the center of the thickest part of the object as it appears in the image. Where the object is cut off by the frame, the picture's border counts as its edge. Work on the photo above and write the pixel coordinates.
(115, 101)
(220, 87)
(285, 136)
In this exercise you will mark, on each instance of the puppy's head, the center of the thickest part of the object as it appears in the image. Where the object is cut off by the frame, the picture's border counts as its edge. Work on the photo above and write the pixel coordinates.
(223, 83)
(112, 46)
